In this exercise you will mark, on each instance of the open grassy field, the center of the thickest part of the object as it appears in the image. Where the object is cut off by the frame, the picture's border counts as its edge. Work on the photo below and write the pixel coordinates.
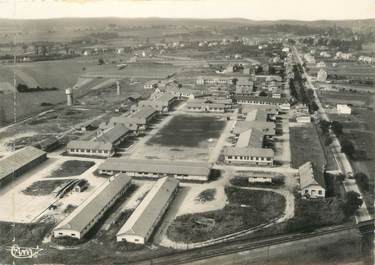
(188, 131)
(134, 70)
(333, 98)
(40, 188)
(71, 168)
(305, 146)
(245, 209)
(59, 73)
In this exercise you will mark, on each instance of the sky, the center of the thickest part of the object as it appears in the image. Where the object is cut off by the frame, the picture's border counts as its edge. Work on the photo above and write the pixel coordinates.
(250, 9)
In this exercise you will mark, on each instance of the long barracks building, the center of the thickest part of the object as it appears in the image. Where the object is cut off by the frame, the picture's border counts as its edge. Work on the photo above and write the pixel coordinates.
(148, 168)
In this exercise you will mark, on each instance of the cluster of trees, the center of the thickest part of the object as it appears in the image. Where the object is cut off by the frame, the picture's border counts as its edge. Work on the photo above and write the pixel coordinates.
(22, 88)
(298, 91)
(362, 181)
(347, 146)
(352, 203)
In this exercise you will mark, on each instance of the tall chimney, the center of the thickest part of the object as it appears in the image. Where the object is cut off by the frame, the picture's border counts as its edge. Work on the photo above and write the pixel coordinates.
(118, 88)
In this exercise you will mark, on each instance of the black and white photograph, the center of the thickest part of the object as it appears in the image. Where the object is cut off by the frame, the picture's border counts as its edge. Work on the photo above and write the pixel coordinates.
(187, 132)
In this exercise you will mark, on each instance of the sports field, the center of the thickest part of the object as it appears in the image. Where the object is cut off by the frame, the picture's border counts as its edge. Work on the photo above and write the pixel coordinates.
(189, 131)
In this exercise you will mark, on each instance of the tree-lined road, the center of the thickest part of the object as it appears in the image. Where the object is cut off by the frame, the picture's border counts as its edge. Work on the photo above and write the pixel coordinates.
(362, 214)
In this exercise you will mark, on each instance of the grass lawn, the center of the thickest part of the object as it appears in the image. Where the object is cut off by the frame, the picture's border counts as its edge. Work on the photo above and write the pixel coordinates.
(245, 209)
(305, 146)
(40, 188)
(71, 168)
(188, 131)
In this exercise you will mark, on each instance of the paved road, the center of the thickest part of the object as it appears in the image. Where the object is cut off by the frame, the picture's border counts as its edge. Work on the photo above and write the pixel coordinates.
(343, 163)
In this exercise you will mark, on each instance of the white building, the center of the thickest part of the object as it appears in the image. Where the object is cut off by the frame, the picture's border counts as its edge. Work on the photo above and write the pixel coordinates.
(85, 216)
(322, 76)
(312, 182)
(246, 155)
(303, 119)
(141, 224)
(90, 148)
(343, 109)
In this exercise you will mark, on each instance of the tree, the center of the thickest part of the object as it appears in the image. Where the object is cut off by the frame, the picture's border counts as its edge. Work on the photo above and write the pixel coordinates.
(324, 125)
(100, 61)
(328, 141)
(337, 128)
(352, 203)
(263, 94)
(347, 147)
(362, 180)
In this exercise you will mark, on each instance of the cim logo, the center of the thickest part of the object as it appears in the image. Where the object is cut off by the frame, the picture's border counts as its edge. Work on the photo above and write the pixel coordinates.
(24, 252)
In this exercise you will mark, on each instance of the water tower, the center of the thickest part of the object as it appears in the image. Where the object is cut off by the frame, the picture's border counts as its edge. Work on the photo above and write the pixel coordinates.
(69, 96)
(118, 88)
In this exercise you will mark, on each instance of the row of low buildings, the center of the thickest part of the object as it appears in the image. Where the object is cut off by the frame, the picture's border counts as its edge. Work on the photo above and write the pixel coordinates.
(103, 145)
(282, 103)
(140, 225)
(209, 105)
(18, 163)
(250, 134)
(85, 216)
(123, 127)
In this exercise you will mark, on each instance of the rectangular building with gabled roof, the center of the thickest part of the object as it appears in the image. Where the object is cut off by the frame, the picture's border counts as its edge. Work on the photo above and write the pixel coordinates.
(85, 216)
(312, 183)
(19, 163)
(141, 224)
(149, 168)
(90, 148)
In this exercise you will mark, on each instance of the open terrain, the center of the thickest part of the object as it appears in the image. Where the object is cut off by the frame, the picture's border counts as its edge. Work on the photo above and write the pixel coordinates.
(245, 209)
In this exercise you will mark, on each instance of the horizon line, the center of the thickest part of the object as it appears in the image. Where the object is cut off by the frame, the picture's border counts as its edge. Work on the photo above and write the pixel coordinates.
(192, 18)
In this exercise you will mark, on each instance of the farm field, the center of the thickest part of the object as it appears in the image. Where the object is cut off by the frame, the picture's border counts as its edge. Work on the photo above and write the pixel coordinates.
(134, 70)
(349, 69)
(333, 98)
(58, 73)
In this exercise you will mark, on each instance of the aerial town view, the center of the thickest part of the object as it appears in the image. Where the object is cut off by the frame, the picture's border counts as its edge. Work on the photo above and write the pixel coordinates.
(186, 140)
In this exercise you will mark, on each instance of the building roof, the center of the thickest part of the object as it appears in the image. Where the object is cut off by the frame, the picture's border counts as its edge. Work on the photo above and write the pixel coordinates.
(165, 98)
(19, 159)
(245, 151)
(142, 219)
(143, 113)
(187, 91)
(310, 175)
(92, 206)
(113, 134)
(250, 138)
(261, 99)
(156, 166)
(92, 145)
(268, 128)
